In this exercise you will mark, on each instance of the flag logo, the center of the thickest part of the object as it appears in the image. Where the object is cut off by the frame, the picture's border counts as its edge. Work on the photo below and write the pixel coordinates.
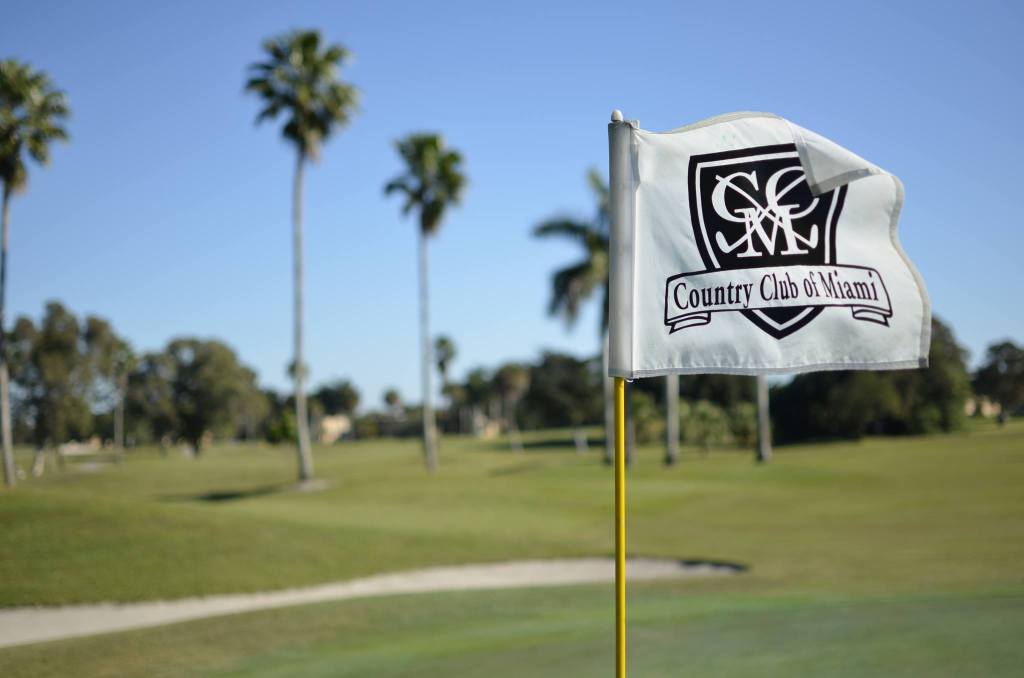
(768, 246)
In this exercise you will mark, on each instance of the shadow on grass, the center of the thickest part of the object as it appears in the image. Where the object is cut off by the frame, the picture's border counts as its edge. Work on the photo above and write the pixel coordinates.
(725, 565)
(216, 496)
(547, 444)
(714, 564)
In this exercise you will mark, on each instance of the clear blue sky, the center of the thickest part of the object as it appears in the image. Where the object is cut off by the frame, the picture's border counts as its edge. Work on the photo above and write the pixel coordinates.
(169, 211)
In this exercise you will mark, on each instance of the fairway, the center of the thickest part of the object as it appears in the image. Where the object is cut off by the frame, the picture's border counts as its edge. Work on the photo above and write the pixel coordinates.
(884, 557)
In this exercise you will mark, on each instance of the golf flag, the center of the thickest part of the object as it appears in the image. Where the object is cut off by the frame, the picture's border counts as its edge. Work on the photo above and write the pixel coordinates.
(745, 244)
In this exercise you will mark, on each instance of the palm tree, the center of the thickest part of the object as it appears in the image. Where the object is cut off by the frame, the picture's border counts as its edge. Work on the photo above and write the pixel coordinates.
(433, 180)
(393, 402)
(671, 419)
(578, 282)
(300, 80)
(764, 430)
(444, 354)
(32, 114)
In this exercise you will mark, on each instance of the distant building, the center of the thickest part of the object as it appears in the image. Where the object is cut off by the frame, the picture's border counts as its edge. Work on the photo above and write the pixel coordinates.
(982, 407)
(334, 427)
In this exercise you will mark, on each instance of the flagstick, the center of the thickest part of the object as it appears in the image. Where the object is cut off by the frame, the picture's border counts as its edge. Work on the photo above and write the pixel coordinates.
(617, 167)
(620, 528)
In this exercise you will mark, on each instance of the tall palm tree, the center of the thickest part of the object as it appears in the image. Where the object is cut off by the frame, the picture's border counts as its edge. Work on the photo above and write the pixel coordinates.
(573, 285)
(32, 115)
(300, 80)
(444, 354)
(433, 180)
(764, 426)
(393, 402)
(671, 419)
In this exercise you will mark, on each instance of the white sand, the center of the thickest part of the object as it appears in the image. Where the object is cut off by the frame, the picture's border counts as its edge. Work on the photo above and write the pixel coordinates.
(19, 626)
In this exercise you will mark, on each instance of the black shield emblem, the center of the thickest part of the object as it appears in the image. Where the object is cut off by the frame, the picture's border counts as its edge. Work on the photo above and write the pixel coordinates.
(753, 208)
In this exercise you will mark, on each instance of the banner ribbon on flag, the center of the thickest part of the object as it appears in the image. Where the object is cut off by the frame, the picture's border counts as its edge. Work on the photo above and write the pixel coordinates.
(691, 298)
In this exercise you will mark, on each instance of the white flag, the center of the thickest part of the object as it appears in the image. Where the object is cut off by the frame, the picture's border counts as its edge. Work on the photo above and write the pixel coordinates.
(745, 244)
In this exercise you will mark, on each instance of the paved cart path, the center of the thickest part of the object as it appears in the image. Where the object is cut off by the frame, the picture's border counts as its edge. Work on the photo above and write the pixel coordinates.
(19, 626)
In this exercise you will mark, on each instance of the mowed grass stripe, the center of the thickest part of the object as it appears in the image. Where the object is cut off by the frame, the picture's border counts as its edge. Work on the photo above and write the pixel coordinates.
(877, 517)
(562, 632)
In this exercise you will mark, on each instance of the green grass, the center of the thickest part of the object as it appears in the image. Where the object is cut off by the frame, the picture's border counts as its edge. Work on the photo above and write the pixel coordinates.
(896, 557)
(675, 630)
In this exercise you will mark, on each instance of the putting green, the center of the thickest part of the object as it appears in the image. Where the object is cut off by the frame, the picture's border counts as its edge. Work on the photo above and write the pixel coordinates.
(884, 557)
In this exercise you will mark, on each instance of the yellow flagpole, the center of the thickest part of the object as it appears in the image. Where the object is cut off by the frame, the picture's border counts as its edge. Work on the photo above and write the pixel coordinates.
(620, 527)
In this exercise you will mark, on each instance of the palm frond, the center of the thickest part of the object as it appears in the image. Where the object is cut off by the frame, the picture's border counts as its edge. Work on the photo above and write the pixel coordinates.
(570, 287)
(32, 113)
(573, 285)
(563, 227)
(300, 78)
(433, 179)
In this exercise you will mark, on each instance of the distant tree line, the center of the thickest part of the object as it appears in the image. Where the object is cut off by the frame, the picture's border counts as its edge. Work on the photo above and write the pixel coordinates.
(719, 409)
(75, 378)
(848, 404)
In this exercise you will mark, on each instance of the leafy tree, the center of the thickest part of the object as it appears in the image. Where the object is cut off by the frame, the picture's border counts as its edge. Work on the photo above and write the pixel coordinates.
(279, 425)
(1001, 376)
(433, 180)
(208, 388)
(833, 405)
(511, 381)
(932, 399)
(647, 422)
(299, 79)
(54, 376)
(852, 404)
(705, 424)
(578, 282)
(743, 423)
(112, 361)
(457, 407)
(251, 409)
(479, 392)
(338, 397)
(724, 390)
(32, 115)
(564, 391)
(149, 399)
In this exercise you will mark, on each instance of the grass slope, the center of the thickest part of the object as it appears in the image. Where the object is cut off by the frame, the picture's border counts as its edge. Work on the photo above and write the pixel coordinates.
(886, 557)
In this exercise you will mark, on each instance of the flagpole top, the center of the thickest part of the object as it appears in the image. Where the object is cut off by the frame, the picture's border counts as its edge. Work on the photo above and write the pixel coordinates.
(616, 115)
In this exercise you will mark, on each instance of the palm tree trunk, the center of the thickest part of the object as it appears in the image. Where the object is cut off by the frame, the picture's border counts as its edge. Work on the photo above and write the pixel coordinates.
(301, 417)
(5, 389)
(579, 439)
(609, 405)
(514, 436)
(764, 433)
(429, 437)
(671, 419)
(122, 384)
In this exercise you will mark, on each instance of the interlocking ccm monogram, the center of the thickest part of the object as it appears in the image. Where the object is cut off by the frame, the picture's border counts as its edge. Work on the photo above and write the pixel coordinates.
(768, 246)
(753, 217)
